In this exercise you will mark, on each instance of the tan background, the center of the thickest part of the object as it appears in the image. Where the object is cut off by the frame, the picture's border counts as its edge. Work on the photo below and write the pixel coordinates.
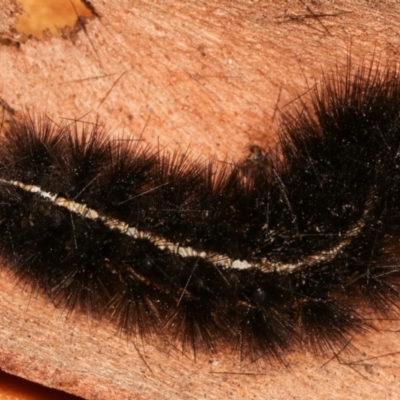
(210, 77)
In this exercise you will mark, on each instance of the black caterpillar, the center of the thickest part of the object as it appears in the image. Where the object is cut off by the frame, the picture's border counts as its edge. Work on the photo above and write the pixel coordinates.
(284, 251)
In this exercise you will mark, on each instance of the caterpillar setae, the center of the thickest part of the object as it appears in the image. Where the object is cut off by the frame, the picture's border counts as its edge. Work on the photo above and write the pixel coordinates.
(283, 251)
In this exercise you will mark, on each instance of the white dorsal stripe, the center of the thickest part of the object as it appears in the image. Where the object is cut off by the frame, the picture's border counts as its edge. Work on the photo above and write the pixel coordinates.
(264, 264)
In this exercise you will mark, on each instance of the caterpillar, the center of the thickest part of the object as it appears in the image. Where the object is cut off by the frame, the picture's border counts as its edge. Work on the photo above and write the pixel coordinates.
(285, 250)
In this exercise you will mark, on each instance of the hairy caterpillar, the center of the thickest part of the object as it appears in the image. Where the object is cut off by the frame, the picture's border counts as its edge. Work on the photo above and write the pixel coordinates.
(283, 251)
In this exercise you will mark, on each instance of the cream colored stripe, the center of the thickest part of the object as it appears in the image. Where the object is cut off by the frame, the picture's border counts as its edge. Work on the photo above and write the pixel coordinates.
(264, 264)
